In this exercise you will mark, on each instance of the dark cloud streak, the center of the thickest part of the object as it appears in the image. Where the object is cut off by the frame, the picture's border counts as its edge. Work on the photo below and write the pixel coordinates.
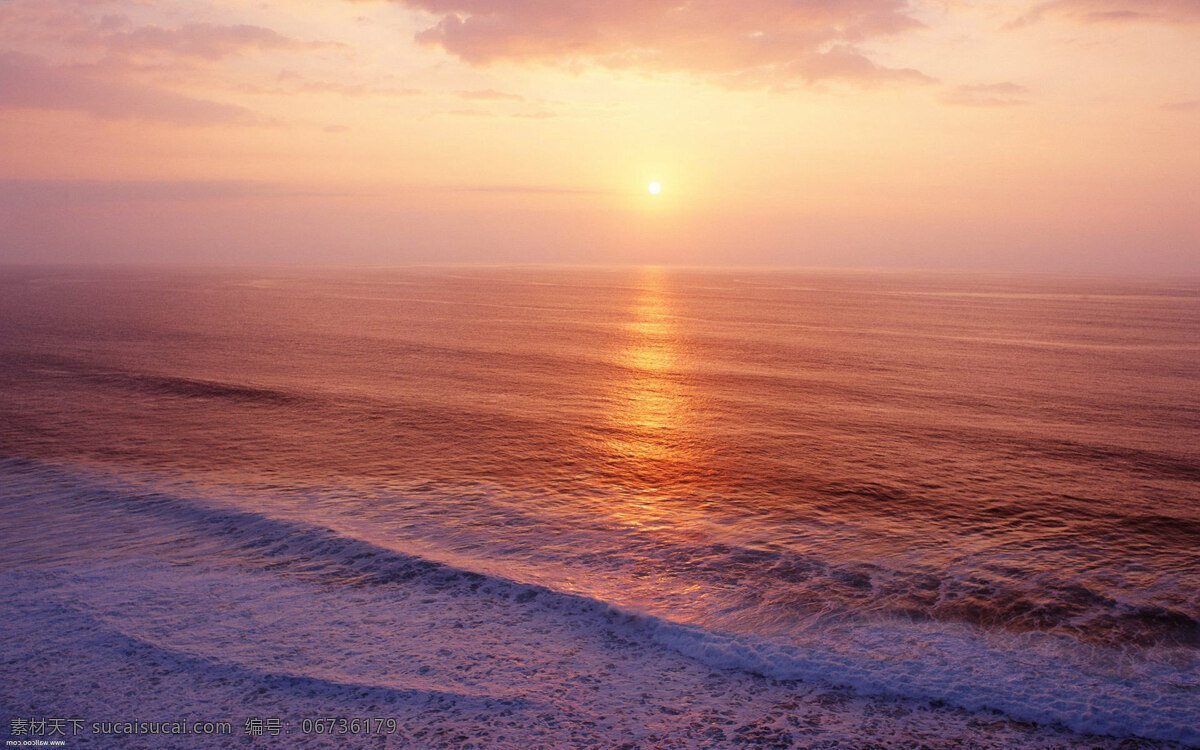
(72, 192)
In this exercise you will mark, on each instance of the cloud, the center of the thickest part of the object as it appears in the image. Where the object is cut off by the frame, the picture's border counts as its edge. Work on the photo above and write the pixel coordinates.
(204, 40)
(1117, 11)
(489, 94)
(1191, 105)
(1004, 94)
(67, 192)
(733, 42)
(30, 82)
(297, 84)
(524, 189)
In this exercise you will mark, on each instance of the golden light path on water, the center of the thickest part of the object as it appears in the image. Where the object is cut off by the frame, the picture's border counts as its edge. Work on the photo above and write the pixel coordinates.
(650, 407)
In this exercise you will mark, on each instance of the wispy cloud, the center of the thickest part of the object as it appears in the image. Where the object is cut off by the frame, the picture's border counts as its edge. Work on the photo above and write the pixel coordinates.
(204, 40)
(1116, 11)
(63, 192)
(30, 82)
(1005, 94)
(519, 189)
(489, 94)
(1190, 105)
(291, 82)
(732, 42)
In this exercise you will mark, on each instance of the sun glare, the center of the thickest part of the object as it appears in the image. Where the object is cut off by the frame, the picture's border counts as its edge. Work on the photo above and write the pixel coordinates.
(654, 188)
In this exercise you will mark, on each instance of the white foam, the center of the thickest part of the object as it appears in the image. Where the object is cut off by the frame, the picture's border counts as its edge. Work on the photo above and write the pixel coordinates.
(280, 601)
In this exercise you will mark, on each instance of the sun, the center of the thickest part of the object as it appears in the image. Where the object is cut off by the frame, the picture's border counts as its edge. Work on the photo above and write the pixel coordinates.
(655, 188)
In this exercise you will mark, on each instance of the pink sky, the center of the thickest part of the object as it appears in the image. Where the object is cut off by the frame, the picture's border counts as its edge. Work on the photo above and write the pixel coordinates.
(1055, 136)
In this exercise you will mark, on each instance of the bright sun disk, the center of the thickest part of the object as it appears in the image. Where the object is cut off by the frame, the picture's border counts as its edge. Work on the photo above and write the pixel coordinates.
(654, 188)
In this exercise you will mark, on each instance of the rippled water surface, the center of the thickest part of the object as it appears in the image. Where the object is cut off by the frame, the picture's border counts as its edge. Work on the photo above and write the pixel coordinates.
(977, 490)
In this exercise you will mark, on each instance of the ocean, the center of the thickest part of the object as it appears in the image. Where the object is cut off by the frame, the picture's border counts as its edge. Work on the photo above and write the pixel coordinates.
(602, 507)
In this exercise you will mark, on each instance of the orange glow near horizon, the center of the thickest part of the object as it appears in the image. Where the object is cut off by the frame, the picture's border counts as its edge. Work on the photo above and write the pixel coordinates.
(1024, 136)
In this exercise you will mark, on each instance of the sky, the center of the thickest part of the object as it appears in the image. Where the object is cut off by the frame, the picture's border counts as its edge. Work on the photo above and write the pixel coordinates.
(1029, 135)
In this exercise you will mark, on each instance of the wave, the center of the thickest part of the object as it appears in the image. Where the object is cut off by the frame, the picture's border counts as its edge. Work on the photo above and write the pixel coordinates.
(1038, 677)
(198, 389)
(1000, 601)
(150, 384)
(1145, 462)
